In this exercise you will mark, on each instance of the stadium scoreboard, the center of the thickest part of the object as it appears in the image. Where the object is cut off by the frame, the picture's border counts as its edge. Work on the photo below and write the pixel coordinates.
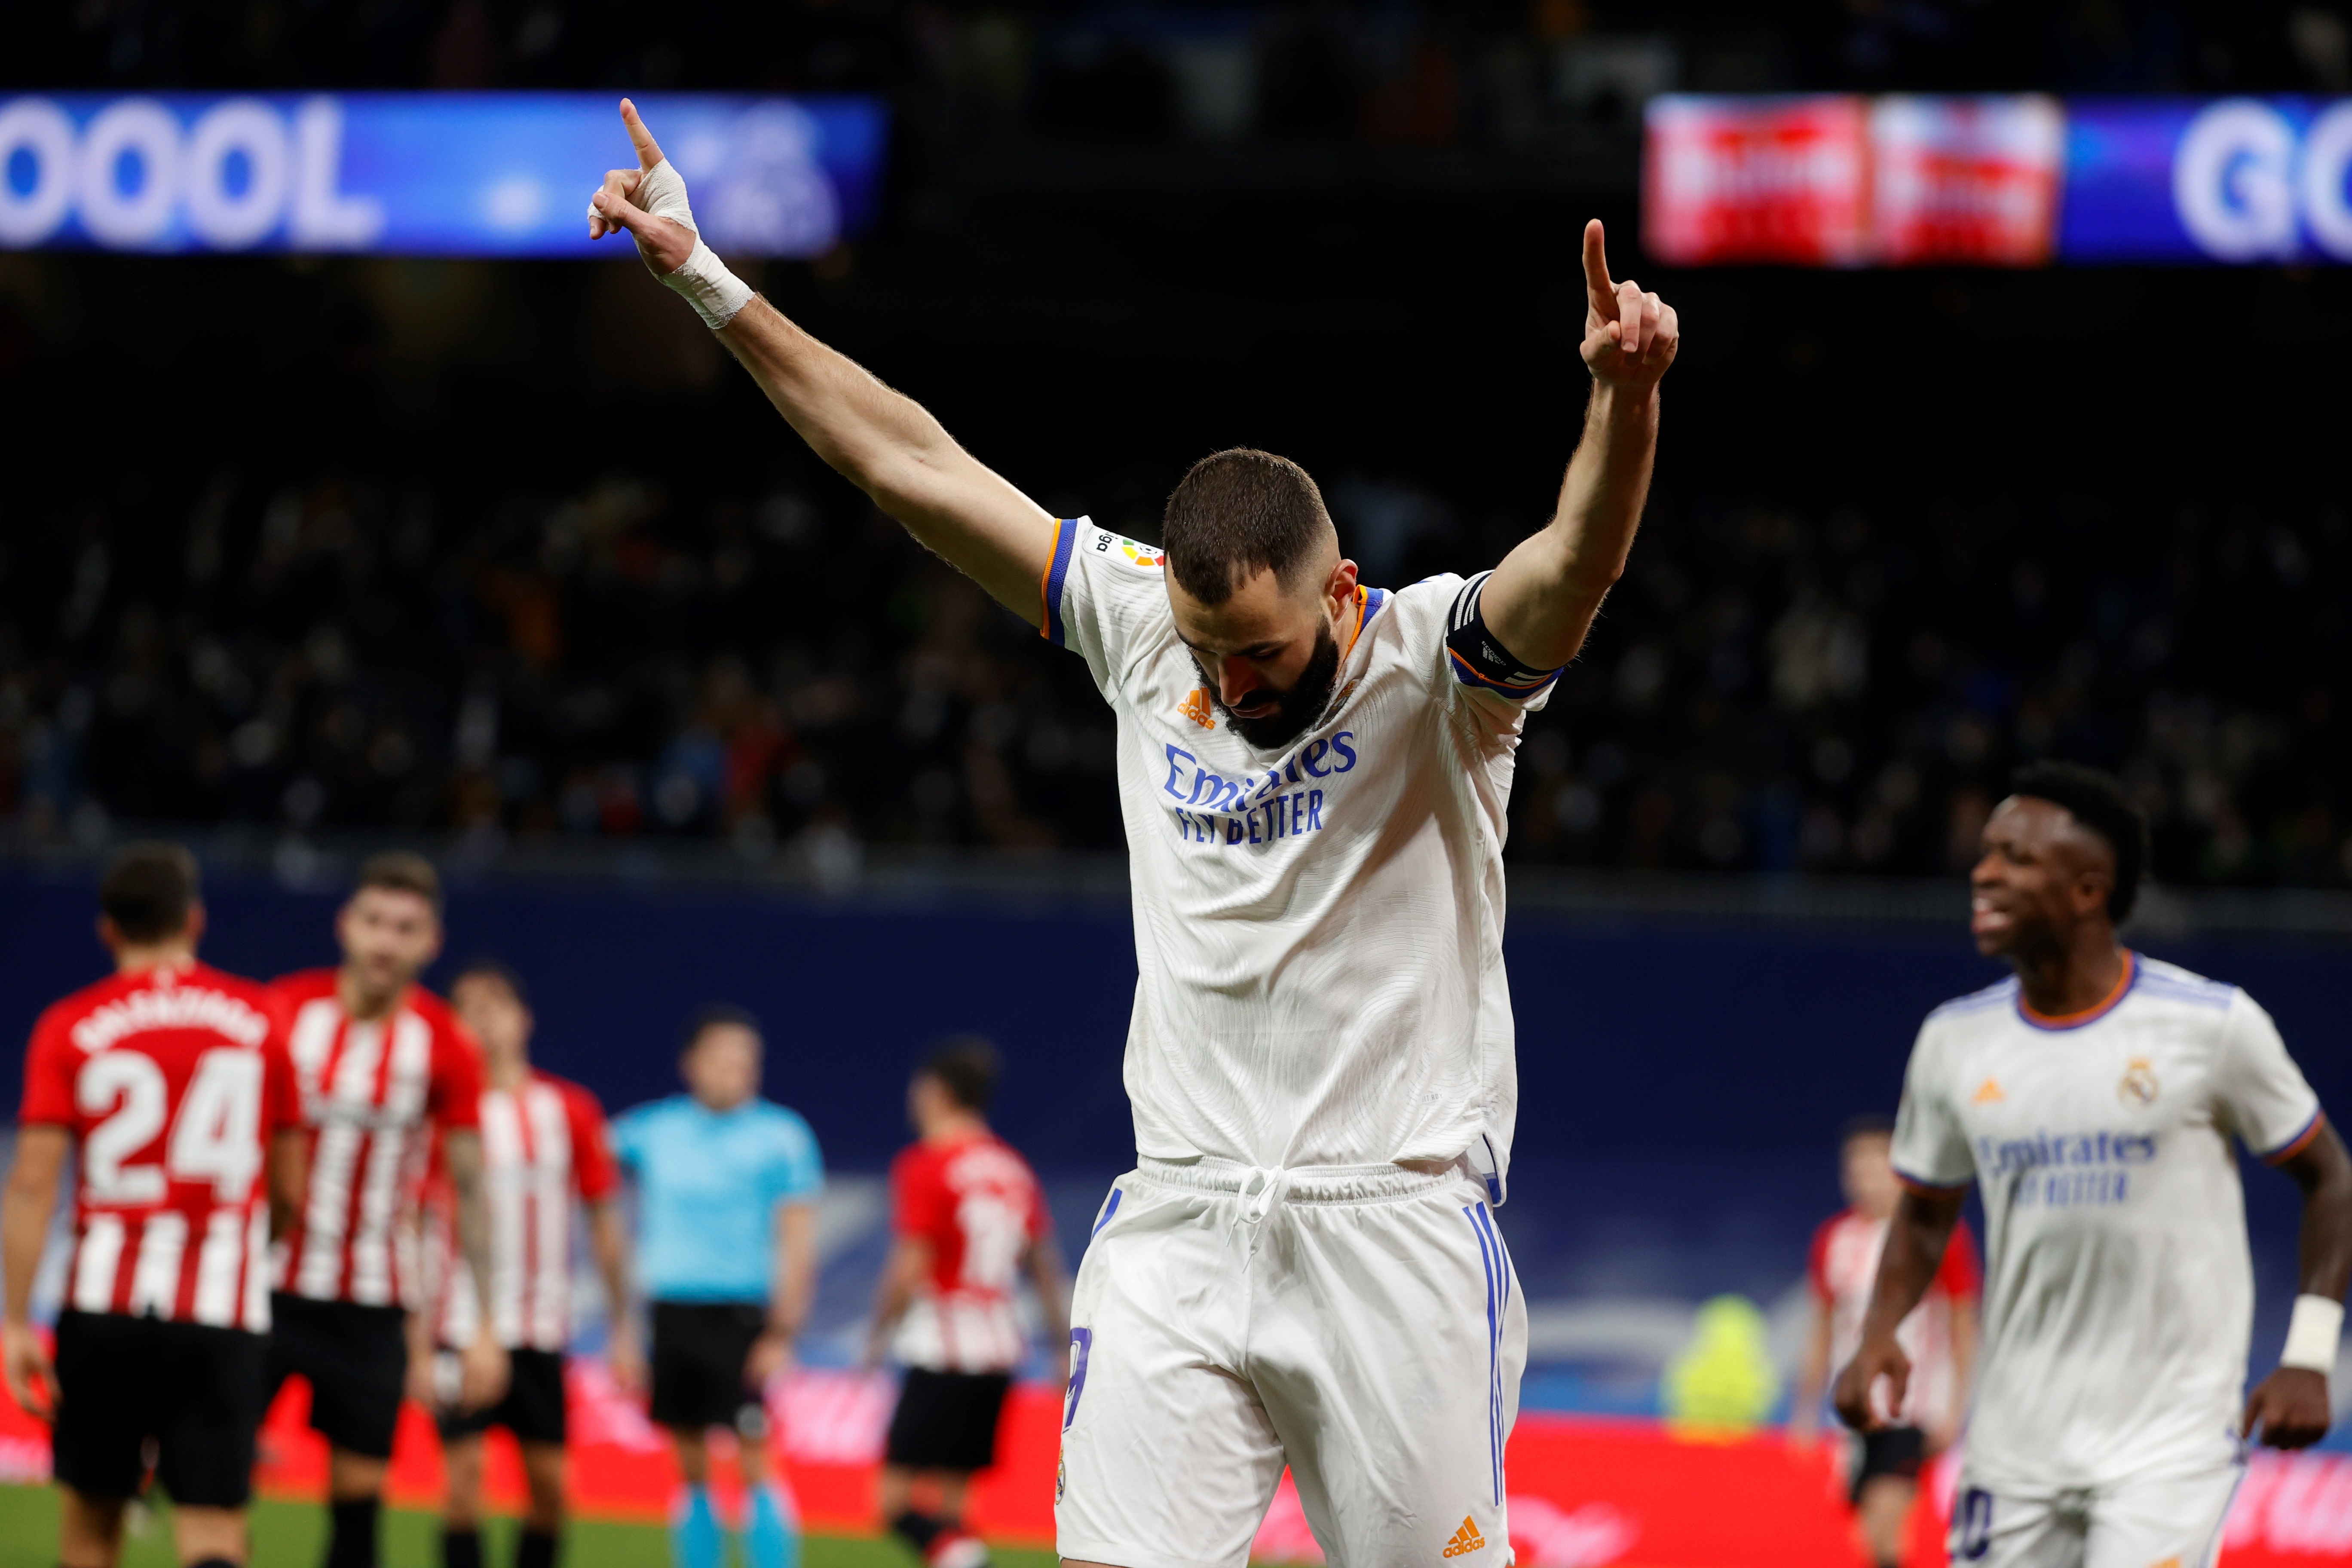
(2026, 180)
(421, 174)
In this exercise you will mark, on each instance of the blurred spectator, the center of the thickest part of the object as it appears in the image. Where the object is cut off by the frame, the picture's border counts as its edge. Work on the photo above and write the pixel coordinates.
(1769, 691)
(1499, 72)
(392, 635)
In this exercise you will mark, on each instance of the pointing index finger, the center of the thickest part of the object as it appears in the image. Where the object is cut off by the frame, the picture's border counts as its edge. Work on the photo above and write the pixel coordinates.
(1597, 286)
(649, 152)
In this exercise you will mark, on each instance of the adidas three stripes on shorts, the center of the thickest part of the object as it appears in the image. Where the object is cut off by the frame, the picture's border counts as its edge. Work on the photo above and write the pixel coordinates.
(1360, 1324)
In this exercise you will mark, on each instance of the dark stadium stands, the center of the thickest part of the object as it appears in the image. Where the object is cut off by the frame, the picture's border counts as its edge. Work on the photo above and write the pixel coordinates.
(1773, 687)
(510, 551)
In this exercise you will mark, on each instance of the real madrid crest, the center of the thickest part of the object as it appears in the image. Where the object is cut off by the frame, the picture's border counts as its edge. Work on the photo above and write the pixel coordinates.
(2139, 1089)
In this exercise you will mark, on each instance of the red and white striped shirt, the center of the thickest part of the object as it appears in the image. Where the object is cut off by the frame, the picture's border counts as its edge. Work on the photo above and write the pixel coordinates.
(1841, 1270)
(172, 1080)
(979, 1206)
(372, 1095)
(540, 1144)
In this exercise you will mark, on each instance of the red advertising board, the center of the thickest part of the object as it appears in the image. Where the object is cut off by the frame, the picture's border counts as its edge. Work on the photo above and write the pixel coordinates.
(1780, 179)
(1844, 180)
(1965, 179)
(1586, 1491)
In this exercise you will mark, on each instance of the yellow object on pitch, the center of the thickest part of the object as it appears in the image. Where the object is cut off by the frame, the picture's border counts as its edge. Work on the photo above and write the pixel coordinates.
(1724, 1386)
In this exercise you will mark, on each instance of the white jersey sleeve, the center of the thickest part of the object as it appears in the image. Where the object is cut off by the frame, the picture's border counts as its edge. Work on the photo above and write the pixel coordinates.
(1931, 1148)
(2262, 1096)
(1106, 598)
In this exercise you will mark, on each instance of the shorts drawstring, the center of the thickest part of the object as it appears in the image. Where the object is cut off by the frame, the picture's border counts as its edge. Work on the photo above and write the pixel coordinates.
(1261, 1191)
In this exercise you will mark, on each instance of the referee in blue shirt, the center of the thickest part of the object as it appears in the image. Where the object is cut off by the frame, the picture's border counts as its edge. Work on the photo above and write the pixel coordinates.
(726, 1190)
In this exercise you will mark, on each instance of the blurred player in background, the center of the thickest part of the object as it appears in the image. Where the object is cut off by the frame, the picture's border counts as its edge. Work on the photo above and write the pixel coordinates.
(542, 1143)
(173, 1081)
(1314, 774)
(2093, 1098)
(1939, 1336)
(727, 1191)
(383, 1066)
(968, 1220)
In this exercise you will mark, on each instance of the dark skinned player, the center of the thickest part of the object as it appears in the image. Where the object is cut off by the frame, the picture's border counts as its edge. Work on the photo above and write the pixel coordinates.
(2094, 1098)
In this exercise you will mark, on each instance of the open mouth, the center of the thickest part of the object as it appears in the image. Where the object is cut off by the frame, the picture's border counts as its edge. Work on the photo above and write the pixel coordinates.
(1985, 916)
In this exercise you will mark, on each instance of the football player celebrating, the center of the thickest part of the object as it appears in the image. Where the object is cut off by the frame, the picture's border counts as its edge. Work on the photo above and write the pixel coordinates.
(1304, 1269)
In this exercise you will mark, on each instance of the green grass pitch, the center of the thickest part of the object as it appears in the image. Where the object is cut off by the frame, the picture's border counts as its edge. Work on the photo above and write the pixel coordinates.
(293, 1535)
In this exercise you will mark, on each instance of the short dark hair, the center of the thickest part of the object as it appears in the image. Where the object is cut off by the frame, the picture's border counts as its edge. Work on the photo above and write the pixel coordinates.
(718, 1014)
(483, 967)
(968, 1066)
(402, 871)
(1869, 1124)
(1237, 513)
(2097, 801)
(148, 889)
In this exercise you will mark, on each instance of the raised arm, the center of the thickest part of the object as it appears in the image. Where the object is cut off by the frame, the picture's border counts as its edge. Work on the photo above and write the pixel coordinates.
(882, 441)
(1541, 600)
(1916, 1239)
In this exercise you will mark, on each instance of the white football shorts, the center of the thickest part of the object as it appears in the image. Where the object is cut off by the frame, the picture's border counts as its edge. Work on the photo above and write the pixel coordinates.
(2142, 1523)
(1360, 1324)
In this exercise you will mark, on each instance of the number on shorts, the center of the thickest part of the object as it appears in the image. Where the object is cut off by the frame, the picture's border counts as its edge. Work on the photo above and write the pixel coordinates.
(1972, 1524)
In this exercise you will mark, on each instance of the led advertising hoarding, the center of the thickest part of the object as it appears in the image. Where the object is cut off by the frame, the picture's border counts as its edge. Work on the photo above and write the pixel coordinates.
(421, 174)
(2013, 181)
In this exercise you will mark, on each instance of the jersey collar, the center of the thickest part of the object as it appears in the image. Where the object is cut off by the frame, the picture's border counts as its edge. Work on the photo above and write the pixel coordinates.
(2090, 1015)
(1368, 604)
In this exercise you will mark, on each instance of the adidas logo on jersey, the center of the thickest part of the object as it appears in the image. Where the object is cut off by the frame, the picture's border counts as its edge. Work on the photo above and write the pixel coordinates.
(1988, 1093)
(1467, 1539)
(1196, 707)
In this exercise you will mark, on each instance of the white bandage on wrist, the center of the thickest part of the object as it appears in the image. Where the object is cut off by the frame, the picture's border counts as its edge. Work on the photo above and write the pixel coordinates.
(703, 279)
(2312, 1334)
(715, 293)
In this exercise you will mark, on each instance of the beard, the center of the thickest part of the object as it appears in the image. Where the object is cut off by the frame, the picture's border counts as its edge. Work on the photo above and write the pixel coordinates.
(1295, 709)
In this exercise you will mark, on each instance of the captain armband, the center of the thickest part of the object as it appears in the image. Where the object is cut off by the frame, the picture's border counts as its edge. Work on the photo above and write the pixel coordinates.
(1478, 658)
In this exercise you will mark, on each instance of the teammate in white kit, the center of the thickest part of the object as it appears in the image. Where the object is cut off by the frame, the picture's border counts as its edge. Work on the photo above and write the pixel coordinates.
(2094, 1098)
(1313, 775)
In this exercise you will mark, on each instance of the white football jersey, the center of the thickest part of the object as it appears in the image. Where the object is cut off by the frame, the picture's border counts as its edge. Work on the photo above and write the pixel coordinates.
(2118, 1298)
(1318, 930)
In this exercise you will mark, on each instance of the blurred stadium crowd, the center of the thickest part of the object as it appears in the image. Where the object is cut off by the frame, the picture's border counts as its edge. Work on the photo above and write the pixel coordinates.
(308, 615)
(1495, 72)
(1771, 689)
